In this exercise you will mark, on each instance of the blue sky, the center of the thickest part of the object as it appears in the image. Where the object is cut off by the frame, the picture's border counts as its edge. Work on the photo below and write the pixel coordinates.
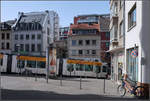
(66, 9)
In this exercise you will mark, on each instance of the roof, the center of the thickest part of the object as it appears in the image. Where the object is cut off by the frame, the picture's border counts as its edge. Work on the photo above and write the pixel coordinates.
(11, 22)
(7, 25)
(32, 17)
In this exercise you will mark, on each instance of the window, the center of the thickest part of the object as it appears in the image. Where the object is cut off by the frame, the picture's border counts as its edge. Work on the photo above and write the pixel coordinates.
(27, 47)
(132, 17)
(7, 45)
(80, 42)
(39, 47)
(16, 37)
(15, 47)
(2, 47)
(21, 47)
(47, 31)
(38, 36)
(121, 29)
(1, 62)
(73, 52)
(107, 35)
(27, 37)
(33, 37)
(3, 36)
(87, 52)
(8, 36)
(93, 52)
(21, 37)
(132, 64)
(40, 64)
(93, 42)
(107, 44)
(48, 22)
(121, 3)
(104, 69)
(87, 42)
(31, 64)
(33, 48)
(73, 42)
(80, 52)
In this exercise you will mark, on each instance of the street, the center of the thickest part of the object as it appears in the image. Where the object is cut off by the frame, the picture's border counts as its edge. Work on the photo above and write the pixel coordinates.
(15, 87)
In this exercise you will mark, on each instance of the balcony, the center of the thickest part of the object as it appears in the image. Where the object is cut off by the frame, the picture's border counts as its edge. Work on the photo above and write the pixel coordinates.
(114, 35)
(113, 21)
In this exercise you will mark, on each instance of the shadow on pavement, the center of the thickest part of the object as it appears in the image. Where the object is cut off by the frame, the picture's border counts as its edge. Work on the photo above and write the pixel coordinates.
(43, 95)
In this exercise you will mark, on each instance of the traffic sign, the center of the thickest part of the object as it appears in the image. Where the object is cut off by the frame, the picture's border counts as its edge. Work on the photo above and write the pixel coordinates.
(134, 53)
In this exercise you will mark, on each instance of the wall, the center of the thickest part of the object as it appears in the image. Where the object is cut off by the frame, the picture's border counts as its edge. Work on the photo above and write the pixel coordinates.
(84, 47)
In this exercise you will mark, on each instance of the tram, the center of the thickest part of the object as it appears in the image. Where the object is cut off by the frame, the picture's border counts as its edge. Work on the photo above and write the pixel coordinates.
(66, 67)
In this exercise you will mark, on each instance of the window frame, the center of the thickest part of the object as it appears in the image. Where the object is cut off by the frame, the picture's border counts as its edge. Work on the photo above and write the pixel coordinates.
(131, 14)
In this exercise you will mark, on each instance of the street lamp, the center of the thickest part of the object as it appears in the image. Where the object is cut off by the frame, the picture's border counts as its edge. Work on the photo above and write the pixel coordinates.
(18, 48)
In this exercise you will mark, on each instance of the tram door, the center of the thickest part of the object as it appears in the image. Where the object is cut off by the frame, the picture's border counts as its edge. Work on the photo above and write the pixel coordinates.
(9, 63)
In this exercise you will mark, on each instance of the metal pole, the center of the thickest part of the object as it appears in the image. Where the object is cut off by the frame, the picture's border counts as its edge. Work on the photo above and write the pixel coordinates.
(36, 71)
(80, 82)
(104, 87)
(47, 65)
(0, 80)
(60, 80)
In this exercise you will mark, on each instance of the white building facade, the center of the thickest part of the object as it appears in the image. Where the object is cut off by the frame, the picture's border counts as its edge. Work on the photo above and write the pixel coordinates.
(33, 32)
(137, 43)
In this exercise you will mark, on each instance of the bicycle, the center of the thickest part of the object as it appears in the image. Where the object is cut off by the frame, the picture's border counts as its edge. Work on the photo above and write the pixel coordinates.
(137, 91)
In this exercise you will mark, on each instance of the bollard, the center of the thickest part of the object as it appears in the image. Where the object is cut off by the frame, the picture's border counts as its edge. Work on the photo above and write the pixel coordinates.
(80, 82)
(61, 80)
(104, 87)
(36, 71)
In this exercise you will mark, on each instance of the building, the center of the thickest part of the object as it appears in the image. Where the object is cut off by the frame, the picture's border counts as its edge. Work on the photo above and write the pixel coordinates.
(137, 65)
(105, 38)
(117, 38)
(63, 33)
(5, 36)
(129, 41)
(84, 40)
(34, 31)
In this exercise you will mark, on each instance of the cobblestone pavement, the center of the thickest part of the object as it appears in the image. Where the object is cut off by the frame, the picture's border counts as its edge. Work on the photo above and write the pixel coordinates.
(16, 87)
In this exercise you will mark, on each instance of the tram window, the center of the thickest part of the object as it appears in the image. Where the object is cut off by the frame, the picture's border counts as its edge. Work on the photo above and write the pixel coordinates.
(81, 67)
(98, 69)
(104, 69)
(22, 63)
(31, 64)
(1, 62)
(40, 64)
(88, 68)
(77, 67)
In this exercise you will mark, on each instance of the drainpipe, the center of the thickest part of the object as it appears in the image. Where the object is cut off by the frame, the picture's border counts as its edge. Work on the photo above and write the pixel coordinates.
(124, 31)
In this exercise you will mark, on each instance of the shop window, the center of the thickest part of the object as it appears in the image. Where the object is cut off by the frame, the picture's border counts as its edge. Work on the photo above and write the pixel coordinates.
(132, 64)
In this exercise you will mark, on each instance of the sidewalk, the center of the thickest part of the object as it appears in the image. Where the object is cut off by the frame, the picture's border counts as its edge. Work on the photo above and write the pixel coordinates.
(91, 88)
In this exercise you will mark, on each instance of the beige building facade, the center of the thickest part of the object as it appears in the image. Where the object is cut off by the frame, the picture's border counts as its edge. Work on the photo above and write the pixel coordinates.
(85, 47)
